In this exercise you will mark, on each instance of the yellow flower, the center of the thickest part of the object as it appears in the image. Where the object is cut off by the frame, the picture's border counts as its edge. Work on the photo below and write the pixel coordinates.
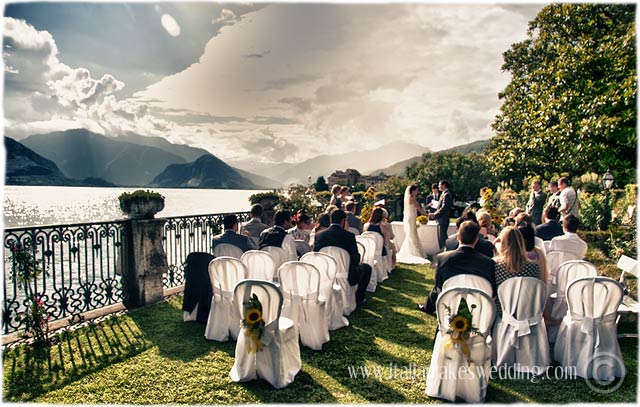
(253, 316)
(459, 324)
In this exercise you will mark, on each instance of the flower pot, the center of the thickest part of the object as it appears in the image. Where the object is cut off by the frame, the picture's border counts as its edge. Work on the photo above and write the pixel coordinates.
(142, 208)
(268, 203)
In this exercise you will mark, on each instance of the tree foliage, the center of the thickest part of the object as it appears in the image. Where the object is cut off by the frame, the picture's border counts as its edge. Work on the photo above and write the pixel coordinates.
(571, 103)
(321, 184)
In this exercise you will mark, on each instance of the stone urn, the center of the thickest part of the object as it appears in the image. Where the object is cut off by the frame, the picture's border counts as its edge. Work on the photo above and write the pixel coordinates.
(141, 204)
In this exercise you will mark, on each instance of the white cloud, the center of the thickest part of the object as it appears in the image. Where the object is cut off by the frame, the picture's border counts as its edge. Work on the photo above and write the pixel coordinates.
(170, 25)
(226, 17)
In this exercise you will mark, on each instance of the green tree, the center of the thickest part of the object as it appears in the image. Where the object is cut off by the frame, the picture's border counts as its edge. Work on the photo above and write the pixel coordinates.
(571, 103)
(321, 184)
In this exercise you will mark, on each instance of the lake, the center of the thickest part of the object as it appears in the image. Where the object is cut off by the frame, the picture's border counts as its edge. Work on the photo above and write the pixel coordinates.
(47, 205)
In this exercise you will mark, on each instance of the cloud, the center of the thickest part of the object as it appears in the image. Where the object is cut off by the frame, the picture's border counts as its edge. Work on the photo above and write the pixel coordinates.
(170, 25)
(266, 143)
(226, 17)
(257, 54)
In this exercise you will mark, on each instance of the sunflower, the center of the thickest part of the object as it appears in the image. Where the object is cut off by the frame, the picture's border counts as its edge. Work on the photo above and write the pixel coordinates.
(253, 316)
(460, 324)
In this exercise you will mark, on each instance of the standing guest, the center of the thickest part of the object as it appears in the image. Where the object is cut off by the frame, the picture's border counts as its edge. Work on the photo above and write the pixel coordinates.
(375, 225)
(443, 212)
(344, 193)
(302, 230)
(481, 199)
(512, 260)
(254, 227)
(570, 241)
(464, 260)
(568, 198)
(537, 198)
(277, 235)
(336, 235)
(336, 196)
(433, 199)
(551, 227)
(322, 222)
(554, 194)
(231, 235)
(352, 219)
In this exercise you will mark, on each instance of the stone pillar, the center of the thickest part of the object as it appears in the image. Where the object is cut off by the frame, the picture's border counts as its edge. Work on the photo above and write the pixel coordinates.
(146, 262)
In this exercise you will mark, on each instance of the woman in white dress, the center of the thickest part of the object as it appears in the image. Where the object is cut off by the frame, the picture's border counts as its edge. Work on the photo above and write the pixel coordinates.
(411, 251)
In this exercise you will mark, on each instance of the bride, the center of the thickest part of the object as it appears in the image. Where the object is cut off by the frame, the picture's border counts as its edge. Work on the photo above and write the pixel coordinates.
(411, 251)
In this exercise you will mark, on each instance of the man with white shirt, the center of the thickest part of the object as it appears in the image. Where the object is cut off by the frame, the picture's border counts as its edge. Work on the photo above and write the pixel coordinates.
(570, 242)
(568, 198)
(277, 235)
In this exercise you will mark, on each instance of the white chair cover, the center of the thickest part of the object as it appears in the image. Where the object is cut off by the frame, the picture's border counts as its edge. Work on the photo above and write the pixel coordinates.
(300, 286)
(332, 292)
(369, 244)
(630, 266)
(302, 247)
(279, 361)
(381, 269)
(342, 278)
(226, 249)
(225, 273)
(260, 265)
(520, 336)
(468, 281)
(554, 259)
(279, 255)
(353, 230)
(547, 246)
(361, 250)
(445, 379)
(539, 243)
(566, 273)
(587, 338)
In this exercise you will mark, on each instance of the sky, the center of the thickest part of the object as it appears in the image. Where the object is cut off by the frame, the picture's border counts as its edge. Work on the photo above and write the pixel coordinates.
(261, 82)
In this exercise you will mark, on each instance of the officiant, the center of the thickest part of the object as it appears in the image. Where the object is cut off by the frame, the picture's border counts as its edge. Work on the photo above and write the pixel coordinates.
(432, 200)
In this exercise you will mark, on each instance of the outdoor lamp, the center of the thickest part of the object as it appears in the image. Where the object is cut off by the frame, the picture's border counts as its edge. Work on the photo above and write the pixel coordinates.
(607, 180)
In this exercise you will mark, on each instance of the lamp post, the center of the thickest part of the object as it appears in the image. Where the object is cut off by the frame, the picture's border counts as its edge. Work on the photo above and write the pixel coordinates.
(607, 182)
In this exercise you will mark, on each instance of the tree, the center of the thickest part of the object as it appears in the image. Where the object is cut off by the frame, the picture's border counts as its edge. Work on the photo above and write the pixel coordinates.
(571, 103)
(321, 184)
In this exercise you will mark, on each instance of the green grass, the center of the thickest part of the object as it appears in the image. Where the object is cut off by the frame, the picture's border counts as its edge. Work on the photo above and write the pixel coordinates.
(149, 356)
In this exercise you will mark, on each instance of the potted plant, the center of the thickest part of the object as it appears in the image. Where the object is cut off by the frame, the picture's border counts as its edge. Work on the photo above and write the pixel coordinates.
(268, 200)
(141, 204)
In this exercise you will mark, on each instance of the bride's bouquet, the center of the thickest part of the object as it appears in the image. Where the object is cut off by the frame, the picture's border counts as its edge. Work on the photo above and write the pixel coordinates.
(422, 220)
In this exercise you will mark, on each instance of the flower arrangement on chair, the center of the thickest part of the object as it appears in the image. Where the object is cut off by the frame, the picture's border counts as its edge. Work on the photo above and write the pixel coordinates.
(460, 328)
(253, 324)
(422, 220)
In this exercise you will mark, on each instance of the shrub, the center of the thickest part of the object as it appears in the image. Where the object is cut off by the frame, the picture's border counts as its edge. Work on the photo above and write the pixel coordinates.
(592, 211)
(139, 194)
(256, 198)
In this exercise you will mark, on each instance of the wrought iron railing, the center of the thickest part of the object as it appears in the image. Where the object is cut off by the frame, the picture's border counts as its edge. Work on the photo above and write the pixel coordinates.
(82, 266)
(185, 234)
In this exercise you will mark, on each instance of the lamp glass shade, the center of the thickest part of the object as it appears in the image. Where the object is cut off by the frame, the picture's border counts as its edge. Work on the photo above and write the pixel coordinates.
(607, 180)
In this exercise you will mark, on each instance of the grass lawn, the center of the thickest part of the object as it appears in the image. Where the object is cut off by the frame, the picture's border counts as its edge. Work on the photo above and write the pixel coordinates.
(149, 356)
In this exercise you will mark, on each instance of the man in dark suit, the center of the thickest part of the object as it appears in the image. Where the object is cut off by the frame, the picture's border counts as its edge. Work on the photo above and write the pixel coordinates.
(433, 199)
(464, 260)
(443, 212)
(551, 227)
(230, 235)
(336, 235)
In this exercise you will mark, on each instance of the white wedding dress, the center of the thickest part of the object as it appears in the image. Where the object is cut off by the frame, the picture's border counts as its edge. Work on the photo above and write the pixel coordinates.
(411, 251)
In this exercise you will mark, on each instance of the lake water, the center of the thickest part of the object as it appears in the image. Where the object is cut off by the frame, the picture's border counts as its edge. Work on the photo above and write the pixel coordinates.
(45, 205)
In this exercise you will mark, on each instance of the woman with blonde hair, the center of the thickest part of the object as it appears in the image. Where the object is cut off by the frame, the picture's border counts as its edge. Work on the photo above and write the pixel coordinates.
(484, 220)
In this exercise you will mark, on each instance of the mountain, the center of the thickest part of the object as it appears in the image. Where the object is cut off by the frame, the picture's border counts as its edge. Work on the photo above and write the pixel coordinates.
(80, 153)
(399, 167)
(188, 153)
(26, 167)
(206, 172)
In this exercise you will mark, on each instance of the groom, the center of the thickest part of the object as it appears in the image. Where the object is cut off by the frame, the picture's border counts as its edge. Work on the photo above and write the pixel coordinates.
(443, 212)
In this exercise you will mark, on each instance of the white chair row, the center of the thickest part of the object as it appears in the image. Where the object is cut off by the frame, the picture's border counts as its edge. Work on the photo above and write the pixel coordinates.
(371, 244)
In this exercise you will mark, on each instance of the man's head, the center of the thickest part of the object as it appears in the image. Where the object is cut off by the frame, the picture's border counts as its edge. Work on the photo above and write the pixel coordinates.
(344, 191)
(570, 223)
(283, 219)
(535, 185)
(443, 185)
(466, 216)
(563, 182)
(338, 217)
(256, 211)
(434, 189)
(468, 233)
(553, 187)
(351, 207)
(230, 222)
(550, 213)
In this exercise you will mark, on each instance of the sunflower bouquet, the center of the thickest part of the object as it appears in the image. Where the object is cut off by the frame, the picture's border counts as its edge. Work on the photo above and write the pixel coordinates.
(460, 328)
(253, 324)
(422, 220)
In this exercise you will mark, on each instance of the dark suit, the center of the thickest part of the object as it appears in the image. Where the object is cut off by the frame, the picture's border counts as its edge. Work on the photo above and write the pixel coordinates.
(549, 230)
(483, 246)
(359, 274)
(442, 216)
(463, 260)
(535, 206)
(231, 237)
(197, 285)
(354, 222)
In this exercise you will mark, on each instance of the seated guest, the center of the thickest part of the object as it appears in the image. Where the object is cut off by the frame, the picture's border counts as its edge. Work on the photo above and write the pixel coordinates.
(277, 235)
(484, 246)
(336, 235)
(512, 260)
(515, 212)
(302, 230)
(484, 220)
(322, 222)
(534, 253)
(570, 241)
(352, 219)
(375, 225)
(551, 227)
(230, 235)
(388, 243)
(464, 260)
(254, 227)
